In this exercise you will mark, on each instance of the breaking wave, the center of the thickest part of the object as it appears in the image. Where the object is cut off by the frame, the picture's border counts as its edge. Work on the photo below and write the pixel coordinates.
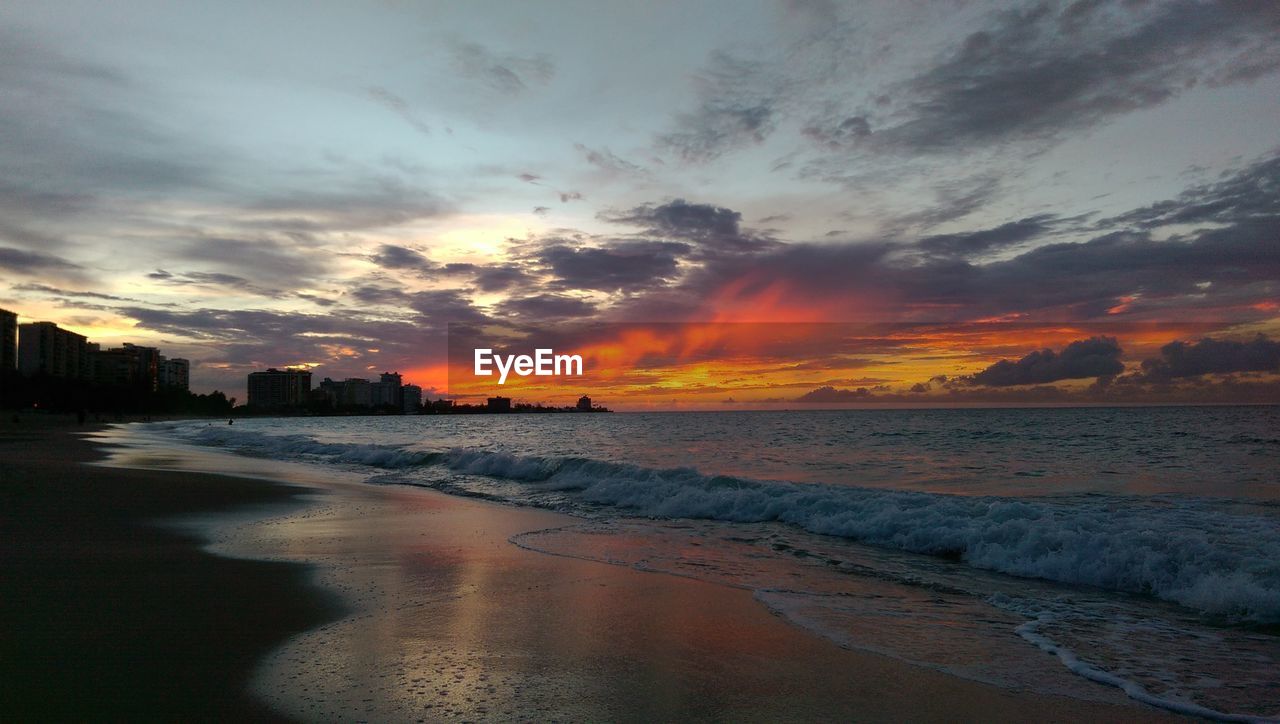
(1199, 554)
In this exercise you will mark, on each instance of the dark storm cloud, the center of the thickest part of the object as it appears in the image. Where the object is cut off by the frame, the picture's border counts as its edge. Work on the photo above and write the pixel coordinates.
(505, 73)
(625, 266)
(712, 228)
(737, 107)
(1039, 71)
(1094, 357)
(546, 307)
(1208, 356)
(978, 242)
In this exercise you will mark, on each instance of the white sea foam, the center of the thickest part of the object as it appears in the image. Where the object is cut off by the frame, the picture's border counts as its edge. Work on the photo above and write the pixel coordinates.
(1184, 550)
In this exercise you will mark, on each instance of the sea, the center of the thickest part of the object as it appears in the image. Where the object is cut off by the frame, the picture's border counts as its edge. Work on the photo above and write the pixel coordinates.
(1134, 548)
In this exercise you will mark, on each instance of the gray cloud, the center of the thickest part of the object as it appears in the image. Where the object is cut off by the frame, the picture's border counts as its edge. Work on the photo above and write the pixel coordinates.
(978, 242)
(608, 161)
(398, 106)
(391, 256)
(738, 106)
(504, 73)
(1093, 357)
(32, 263)
(625, 266)
(546, 307)
(713, 228)
(1038, 72)
(1209, 356)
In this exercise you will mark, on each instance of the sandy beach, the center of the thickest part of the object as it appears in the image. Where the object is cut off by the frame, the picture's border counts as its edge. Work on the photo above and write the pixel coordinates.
(390, 603)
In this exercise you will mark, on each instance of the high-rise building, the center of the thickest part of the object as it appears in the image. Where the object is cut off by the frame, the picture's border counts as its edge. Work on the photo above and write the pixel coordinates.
(386, 391)
(498, 404)
(46, 349)
(174, 373)
(584, 404)
(279, 388)
(357, 392)
(412, 397)
(129, 365)
(8, 341)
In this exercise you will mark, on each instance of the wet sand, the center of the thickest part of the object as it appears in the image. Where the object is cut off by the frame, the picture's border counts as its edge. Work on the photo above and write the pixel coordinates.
(106, 616)
(448, 619)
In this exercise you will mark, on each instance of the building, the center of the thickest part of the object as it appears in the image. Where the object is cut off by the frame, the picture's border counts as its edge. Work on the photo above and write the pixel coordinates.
(386, 391)
(356, 392)
(584, 404)
(46, 349)
(412, 399)
(174, 374)
(8, 341)
(279, 388)
(127, 366)
(331, 390)
(499, 404)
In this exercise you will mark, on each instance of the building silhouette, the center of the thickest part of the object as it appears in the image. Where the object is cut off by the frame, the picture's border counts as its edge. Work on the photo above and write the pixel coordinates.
(174, 374)
(275, 388)
(44, 348)
(499, 404)
(584, 404)
(386, 391)
(129, 365)
(8, 341)
(411, 399)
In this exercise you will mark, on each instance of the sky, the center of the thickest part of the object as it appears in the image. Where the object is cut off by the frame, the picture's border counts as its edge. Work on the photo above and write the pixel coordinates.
(962, 201)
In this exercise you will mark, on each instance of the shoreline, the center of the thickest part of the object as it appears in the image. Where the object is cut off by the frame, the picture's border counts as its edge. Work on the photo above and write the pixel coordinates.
(444, 617)
(106, 614)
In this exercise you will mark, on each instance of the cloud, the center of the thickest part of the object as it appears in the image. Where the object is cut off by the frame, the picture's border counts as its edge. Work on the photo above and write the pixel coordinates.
(508, 74)
(974, 243)
(738, 106)
(398, 106)
(713, 228)
(34, 263)
(830, 394)
(542, 307)
(390, 256)
(625, 266)
(212, 279)
(607, 161)
(1179, 359)
(1037, 72)
(1093, 357)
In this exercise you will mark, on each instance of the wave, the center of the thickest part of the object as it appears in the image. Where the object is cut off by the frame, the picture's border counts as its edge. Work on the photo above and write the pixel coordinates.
(1191, 552)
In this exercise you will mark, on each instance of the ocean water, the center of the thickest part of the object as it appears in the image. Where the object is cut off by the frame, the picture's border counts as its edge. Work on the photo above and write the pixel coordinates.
(1136, 548)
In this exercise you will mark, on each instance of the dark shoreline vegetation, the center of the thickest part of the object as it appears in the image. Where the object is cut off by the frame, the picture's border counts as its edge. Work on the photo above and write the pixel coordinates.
(107, 615)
